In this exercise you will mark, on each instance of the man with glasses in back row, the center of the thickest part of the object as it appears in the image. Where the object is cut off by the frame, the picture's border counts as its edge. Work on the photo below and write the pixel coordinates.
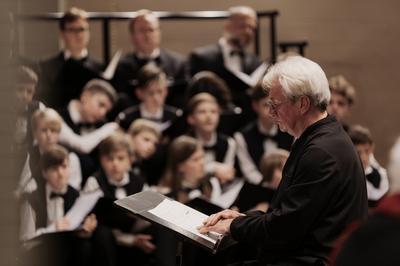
(323, 185)
(62, 77)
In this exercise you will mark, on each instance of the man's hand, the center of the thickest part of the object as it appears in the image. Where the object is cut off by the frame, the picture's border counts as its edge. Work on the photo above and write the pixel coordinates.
(219, 222)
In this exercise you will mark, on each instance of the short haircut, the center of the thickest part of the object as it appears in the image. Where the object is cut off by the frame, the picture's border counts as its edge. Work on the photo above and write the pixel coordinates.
(53, 156)
(299, 76)
(242, 11)
(360, 135)
(258, 92)
(140, 14)
(49, 116)
(25, 75)
(207, 81)
(274, 160)
(198, 99)
(101, 86)
(339, 84)
(144, 125)
(73, 14)
(116, 142)
(150, 73)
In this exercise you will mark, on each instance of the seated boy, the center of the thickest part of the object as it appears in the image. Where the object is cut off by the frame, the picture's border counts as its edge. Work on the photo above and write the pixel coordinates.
(149, 155)
(84, 124)
(152, 90)
(46, 127)
(117, 181)
(259, 137)
(46, 208)
(376, 176)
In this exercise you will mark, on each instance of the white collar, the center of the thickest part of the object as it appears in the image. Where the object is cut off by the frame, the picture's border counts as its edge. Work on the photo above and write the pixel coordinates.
(49, 190)
(124, 181)
(67, 54)
(225, 46)
(368, 170)
(73, 109)
(211, 142)
(146, 114)
(156, 53)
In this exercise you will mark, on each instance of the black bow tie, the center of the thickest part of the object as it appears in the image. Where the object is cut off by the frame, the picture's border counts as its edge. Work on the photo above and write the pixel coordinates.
(144, 61)
(210, 147)
(57, 195)
(237, 52)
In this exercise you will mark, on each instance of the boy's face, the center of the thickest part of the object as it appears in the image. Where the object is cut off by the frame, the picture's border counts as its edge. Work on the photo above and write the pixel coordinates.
(205, 117)
(144, 144)
(94, 106)
(153, 96)
(193, 168)
(338, 106)
(116, 164)
(47, 133)
(364, 151)
(76, 35)
(25, 94)
(57, 176)
(262, 109)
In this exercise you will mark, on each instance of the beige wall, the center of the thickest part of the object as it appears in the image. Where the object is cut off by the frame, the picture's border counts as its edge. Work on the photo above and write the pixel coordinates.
(355, 38)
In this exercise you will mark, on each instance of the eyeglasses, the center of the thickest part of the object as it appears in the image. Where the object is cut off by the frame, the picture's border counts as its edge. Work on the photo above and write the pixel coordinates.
(273, 106)
(76, 30)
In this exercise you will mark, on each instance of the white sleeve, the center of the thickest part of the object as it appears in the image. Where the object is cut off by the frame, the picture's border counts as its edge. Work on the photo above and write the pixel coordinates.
(25, 176)
(249, 169)
(75, 176)
(88, 142)
(231, 152)
(377, 193)
(28, 223)
(394, 167)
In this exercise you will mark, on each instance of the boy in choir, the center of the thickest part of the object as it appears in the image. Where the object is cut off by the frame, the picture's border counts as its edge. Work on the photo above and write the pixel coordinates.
(342, 99)
(84, 122)
(149, 158)
(376, 176)
(151, 91)
(63, 76)
(117, 181)
(259, 137)
(220, 150)
(46, 128)
(45, 212)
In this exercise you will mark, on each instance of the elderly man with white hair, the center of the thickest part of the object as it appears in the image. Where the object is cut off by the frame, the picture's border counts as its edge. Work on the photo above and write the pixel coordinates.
(323, 184)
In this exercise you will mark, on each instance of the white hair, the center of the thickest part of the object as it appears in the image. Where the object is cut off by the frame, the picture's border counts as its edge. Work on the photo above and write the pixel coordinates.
(300, 76)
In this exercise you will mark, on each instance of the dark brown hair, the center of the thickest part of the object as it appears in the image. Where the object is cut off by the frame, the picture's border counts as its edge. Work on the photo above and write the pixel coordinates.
(269, 162)
(149, 73)
(53, 156)
(26, 75)
(115, 142)
(360, 135)
(198, 99)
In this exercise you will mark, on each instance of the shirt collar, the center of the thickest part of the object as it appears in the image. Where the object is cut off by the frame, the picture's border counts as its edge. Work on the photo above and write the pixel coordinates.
(124, 181)
(145, 114)
(153, 55)
(50, 190)
(73, 109)
(211, 142)
(68, 54)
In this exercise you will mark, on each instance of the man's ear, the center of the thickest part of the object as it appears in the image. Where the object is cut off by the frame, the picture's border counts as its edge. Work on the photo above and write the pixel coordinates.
(305, 104)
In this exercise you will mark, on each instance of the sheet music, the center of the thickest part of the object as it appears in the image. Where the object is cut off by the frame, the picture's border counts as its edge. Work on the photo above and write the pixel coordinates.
(83, 205)
(251, 79)
(183, 216)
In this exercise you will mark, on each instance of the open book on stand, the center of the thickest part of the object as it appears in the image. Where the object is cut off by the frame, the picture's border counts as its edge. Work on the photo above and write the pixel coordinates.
(178, 217)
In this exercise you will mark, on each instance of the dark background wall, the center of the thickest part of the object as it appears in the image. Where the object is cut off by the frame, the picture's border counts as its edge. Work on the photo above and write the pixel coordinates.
(358, 39)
